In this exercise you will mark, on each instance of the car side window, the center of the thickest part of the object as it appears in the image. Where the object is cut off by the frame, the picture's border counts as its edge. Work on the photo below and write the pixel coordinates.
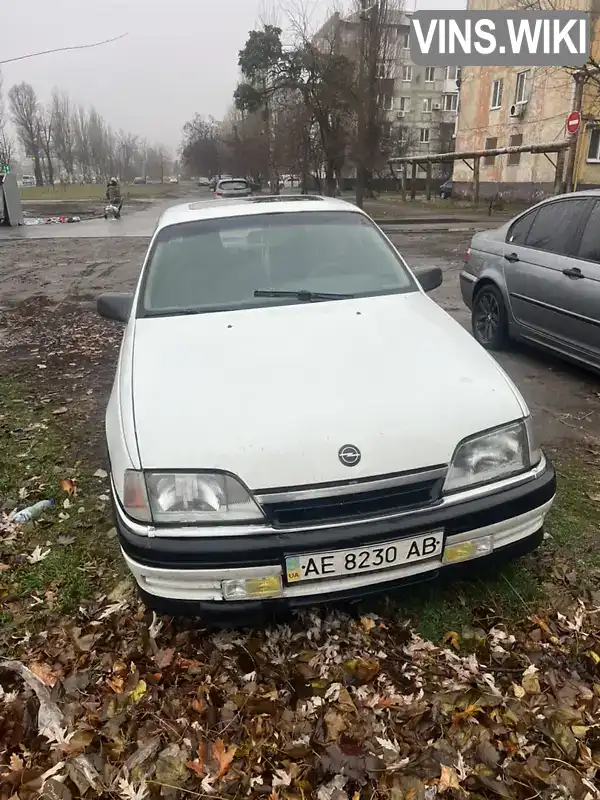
(555, 225)
(518, 233)
(589, 247)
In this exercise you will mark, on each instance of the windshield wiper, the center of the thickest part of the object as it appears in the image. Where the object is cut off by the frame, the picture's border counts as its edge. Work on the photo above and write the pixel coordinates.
(301, 294)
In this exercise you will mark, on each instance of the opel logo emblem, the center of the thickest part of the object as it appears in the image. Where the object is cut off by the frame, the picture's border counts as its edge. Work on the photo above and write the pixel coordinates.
(349, 455)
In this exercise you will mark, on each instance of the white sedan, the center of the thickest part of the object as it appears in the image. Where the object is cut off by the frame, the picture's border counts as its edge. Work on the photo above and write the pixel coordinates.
(294, 420)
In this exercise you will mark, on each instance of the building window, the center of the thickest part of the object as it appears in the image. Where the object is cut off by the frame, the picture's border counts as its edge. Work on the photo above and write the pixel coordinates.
(491, 143)
(497, 93)
(403, 135)
(424, 136)
(407, 74)
(386, 130)
(427, 105)
(429, 74)
(451, 102)
(594, 151)
(385, 101)
(515, 158)
(452, 73)
(405, 104)
(405, 39)
(521, 88)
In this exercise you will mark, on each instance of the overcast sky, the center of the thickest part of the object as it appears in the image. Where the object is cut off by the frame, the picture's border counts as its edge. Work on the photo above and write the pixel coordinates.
(180, 55)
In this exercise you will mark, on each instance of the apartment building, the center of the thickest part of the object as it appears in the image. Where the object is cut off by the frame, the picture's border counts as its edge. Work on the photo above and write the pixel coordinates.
(419, 104)
(505, 106)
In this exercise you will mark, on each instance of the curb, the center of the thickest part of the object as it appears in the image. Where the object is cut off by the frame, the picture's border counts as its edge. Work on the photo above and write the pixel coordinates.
(438, 220)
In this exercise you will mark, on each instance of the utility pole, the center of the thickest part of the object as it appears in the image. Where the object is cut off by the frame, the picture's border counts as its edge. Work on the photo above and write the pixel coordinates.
(579, 78)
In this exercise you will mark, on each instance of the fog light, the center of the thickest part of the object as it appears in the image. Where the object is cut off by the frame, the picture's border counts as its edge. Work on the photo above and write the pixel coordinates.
(252, 588)
(464, 551)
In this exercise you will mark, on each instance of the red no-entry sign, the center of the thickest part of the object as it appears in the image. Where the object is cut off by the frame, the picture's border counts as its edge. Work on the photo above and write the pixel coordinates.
(573, 122)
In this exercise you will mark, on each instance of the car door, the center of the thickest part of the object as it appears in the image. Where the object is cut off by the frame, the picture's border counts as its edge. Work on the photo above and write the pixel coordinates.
(536, 250)
(580, 292)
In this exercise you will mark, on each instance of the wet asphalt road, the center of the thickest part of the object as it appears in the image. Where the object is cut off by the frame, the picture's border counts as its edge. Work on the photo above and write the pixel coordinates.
(86, 258)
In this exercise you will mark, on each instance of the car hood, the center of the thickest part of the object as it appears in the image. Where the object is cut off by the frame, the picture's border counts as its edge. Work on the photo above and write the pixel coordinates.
(272, 394)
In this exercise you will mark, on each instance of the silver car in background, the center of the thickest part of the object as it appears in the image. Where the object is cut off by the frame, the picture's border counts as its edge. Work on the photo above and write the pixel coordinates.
(233, 187)
(537, 278)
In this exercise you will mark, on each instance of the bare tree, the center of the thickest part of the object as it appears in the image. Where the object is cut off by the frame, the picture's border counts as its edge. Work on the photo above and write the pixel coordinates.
(82, 143)
(64, 136)
(25, 112)
(378, 43)
(5, 141)
(46, 127)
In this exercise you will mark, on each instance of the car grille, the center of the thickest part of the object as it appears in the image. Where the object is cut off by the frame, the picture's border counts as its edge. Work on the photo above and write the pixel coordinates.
(353, 506)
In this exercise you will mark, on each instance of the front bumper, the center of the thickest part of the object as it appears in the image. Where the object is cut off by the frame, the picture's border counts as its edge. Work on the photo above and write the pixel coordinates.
(188, 568)
(467, 285)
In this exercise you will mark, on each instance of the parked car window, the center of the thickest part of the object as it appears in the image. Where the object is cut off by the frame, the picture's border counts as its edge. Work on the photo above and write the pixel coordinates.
(590, 241)
(218, 264)
(228, 185)
(518, 233)
(554, 226)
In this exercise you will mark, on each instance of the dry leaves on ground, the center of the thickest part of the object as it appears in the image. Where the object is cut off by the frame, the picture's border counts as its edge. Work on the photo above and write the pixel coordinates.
(327, 707)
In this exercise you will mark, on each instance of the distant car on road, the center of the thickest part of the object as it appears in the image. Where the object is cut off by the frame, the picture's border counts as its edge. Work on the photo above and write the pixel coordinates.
(345, 471)
(538, 278)
(140, 180)
(203, 182)
(233, 187)
(445, 189)
(173, 180)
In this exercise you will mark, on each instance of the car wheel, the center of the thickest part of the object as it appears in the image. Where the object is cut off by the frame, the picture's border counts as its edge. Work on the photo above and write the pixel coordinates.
(489, 318)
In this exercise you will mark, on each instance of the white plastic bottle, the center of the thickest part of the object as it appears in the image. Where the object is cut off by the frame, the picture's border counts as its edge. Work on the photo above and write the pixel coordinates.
(31, 512)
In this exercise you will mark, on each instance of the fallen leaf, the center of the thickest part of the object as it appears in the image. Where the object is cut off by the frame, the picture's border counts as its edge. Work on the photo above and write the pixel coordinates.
(222, 756)
(38, 555)
(468, 713)
(68, 485)
(164, 658)
(368, 623)
(101, 473)
(61, 410)
(334, 724)
(139, 691)
(531, 684)
(452, 638)
(16, 763)
(281, 778)
(45, 673)
(448, 779)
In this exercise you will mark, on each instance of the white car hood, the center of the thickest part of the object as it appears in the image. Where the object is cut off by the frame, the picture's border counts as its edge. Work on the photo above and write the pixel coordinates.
(272, 394)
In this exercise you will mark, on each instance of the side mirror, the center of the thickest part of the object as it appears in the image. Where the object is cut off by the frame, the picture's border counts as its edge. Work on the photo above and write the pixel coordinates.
(115, 305)
(429, 278)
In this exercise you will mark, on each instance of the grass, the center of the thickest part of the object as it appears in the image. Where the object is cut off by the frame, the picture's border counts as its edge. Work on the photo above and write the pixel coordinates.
(392, 202)
(568, 563)
(38, 453)
(72, 192)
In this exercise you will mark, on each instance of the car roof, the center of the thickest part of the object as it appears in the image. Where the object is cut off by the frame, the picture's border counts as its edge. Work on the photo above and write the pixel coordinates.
(251, 206)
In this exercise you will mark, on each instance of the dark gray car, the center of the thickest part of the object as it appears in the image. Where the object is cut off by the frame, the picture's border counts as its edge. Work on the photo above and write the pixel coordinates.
(538, 278)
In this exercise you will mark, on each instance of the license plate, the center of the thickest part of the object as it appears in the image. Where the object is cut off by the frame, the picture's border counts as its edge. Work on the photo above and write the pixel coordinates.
(315, 566)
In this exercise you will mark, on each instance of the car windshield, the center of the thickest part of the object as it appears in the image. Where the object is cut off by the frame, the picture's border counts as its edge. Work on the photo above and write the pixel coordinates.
(228, 185)
(219, 264)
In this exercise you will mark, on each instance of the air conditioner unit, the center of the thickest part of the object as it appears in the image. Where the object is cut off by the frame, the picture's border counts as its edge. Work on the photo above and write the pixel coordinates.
(400, 114)
(518, 109)
(436, 106)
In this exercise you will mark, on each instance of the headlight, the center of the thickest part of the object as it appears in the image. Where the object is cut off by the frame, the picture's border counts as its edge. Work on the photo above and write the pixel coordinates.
(188, 497)
(492, 456)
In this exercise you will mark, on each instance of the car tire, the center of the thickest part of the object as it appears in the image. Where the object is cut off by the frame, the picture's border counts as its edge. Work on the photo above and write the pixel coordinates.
(489, 318)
